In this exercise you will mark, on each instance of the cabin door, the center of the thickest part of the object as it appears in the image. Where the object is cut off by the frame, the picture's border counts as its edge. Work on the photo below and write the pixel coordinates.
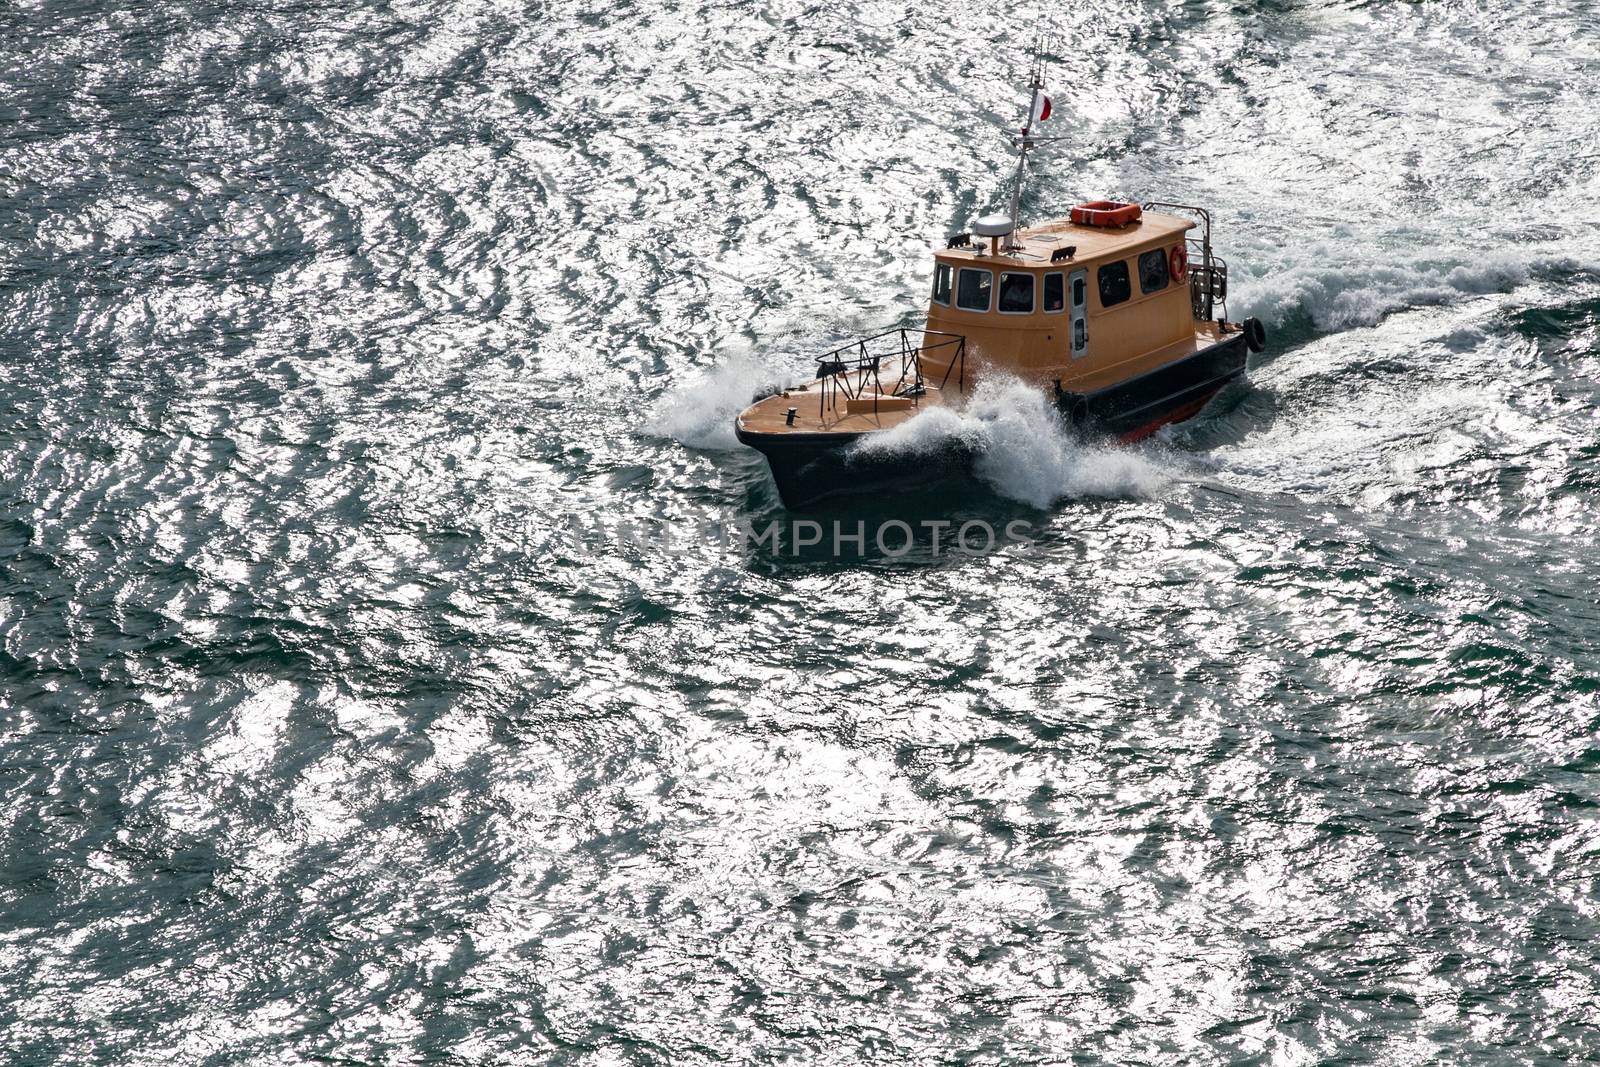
(1078, 289)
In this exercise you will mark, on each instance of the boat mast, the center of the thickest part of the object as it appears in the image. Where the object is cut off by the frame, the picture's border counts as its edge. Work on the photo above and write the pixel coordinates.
(1025, 142)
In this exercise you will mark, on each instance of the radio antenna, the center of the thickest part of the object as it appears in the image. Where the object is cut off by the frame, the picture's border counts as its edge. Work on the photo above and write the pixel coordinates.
(1024, 140)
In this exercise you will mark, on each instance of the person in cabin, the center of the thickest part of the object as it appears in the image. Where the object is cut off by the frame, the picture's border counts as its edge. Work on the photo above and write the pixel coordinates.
(1016, 291)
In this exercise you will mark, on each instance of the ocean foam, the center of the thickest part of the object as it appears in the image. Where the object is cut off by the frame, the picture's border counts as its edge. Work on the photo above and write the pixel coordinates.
(699, 413)
(1021, 448)
(1348, 283)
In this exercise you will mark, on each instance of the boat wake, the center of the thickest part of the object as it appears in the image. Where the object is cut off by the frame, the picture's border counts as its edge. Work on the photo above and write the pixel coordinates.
(1342, 284)
(1022, 450)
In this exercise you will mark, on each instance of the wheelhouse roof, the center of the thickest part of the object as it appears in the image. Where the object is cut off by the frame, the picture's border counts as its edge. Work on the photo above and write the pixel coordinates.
(1092, 242)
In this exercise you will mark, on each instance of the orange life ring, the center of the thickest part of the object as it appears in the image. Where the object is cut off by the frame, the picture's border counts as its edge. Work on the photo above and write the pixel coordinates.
(1180, 262)
(1106, 213)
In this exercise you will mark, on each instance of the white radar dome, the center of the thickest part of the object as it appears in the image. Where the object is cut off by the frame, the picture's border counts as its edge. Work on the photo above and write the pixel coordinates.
(993, 226)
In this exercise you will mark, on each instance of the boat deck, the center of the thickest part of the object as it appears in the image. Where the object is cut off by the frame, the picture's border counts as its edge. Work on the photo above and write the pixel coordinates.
(838, 412)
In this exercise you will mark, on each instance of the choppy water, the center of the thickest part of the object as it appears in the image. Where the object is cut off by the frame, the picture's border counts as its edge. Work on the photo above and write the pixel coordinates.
(327, 739)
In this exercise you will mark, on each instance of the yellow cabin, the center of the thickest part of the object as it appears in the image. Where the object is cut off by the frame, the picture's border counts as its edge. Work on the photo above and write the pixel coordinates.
(1070, 303)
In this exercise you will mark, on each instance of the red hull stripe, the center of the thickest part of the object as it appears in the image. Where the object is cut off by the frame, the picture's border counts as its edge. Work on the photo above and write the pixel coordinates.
(1177, 414)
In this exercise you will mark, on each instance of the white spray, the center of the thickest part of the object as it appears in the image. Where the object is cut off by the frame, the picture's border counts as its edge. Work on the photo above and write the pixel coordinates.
(1022, 449)
(700, 412)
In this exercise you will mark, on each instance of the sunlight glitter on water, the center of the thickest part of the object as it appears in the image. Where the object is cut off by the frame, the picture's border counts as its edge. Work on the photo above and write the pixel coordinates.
(1270, 742)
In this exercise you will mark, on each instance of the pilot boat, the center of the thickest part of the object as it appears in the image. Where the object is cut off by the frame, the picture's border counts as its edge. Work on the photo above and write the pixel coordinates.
(1118, 312)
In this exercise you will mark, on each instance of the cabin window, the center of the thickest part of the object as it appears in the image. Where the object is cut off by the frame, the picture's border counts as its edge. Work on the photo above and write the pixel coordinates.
(1153, 271)
(1080, 336)
(1016, 293)
(1080, 290)
(973, 289)
(941, 284)
(1114, 284)
(1055, 292)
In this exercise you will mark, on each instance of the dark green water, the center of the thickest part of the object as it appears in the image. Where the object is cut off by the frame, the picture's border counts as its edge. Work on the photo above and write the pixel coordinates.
(341, 723)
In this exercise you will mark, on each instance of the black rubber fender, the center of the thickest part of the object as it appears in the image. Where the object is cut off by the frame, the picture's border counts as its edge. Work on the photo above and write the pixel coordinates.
(1255, 335)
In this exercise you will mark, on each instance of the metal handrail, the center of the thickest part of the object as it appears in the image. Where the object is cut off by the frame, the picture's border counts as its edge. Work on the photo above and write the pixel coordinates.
(850, 375)
(1202, 303)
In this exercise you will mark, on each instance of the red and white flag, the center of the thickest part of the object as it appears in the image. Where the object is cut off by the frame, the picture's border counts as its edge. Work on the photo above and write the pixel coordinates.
(1041, 108)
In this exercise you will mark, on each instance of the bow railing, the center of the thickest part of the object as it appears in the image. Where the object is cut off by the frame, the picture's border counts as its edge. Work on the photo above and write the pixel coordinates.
(905, 362)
